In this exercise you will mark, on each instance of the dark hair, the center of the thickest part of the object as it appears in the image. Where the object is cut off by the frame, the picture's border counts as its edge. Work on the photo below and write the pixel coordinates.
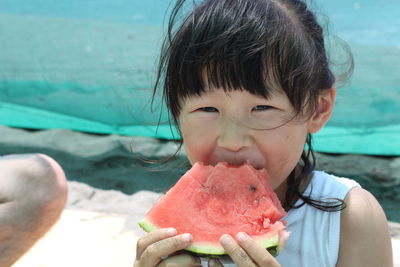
(255, 45)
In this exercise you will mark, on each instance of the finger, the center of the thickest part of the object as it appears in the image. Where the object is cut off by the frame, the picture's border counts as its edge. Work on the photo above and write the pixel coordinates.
(151, 238)
(215, 263)
(258, 254)
(184, 260)
(238, 255)
(153, 254)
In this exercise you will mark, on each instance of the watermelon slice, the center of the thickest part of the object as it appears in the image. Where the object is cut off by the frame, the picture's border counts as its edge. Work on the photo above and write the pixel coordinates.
(209, 201)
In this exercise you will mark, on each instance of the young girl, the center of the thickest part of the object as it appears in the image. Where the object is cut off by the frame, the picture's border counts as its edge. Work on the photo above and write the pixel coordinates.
(249, 80)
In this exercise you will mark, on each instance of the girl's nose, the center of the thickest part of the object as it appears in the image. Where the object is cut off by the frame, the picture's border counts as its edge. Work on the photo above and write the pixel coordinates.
(234, 137)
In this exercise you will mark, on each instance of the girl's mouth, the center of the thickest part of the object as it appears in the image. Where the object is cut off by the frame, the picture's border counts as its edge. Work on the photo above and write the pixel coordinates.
(256, 164)
(251, 156)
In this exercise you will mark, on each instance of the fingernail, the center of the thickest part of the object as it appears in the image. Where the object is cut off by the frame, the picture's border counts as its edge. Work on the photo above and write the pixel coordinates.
(186, 237)
(171, 231)
(241, 237)
(225, 240)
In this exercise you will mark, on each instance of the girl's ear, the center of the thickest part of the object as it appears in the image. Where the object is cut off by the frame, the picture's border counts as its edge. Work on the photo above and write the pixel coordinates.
(326, 102)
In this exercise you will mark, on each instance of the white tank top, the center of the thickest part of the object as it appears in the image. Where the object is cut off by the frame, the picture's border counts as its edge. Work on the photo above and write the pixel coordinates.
(315, 234)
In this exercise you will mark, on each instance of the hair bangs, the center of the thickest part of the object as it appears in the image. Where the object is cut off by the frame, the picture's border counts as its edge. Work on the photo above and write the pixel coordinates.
(239, 72)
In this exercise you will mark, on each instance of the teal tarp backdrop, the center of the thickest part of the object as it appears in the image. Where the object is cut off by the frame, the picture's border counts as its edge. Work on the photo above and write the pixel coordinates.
(90, 65)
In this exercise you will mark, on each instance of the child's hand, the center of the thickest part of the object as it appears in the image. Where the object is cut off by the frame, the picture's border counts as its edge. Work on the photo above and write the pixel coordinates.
(153, 248)
(246, 252)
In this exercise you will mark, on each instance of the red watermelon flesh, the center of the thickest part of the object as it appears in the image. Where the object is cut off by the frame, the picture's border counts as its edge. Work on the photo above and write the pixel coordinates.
(209, 201)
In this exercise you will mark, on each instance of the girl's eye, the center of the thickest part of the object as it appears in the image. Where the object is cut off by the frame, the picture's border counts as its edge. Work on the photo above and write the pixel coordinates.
(208, 109)
(261, 108)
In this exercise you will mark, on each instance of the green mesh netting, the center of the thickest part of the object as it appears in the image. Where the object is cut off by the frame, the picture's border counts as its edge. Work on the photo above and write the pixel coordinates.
(90, 65)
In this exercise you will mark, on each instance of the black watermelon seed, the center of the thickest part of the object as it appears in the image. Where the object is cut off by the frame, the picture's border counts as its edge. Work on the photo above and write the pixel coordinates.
(252, 188)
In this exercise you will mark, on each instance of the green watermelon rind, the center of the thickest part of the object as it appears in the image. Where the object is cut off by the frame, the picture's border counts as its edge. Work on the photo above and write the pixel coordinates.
(271, 243)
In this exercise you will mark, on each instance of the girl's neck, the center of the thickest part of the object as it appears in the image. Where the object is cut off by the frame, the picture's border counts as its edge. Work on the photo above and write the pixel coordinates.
(282, 189)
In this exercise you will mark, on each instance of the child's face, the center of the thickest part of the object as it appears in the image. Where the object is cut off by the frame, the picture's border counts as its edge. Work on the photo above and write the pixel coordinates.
(216, 127)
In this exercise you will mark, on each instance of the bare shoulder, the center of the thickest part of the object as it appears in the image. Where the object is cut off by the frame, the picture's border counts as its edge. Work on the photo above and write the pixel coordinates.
(364, 235)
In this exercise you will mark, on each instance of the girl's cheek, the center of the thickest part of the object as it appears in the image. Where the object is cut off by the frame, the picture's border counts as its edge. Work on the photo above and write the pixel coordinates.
(196, 155)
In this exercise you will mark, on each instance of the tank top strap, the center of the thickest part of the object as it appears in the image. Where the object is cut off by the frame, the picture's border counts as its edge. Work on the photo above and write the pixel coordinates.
(315, 234)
